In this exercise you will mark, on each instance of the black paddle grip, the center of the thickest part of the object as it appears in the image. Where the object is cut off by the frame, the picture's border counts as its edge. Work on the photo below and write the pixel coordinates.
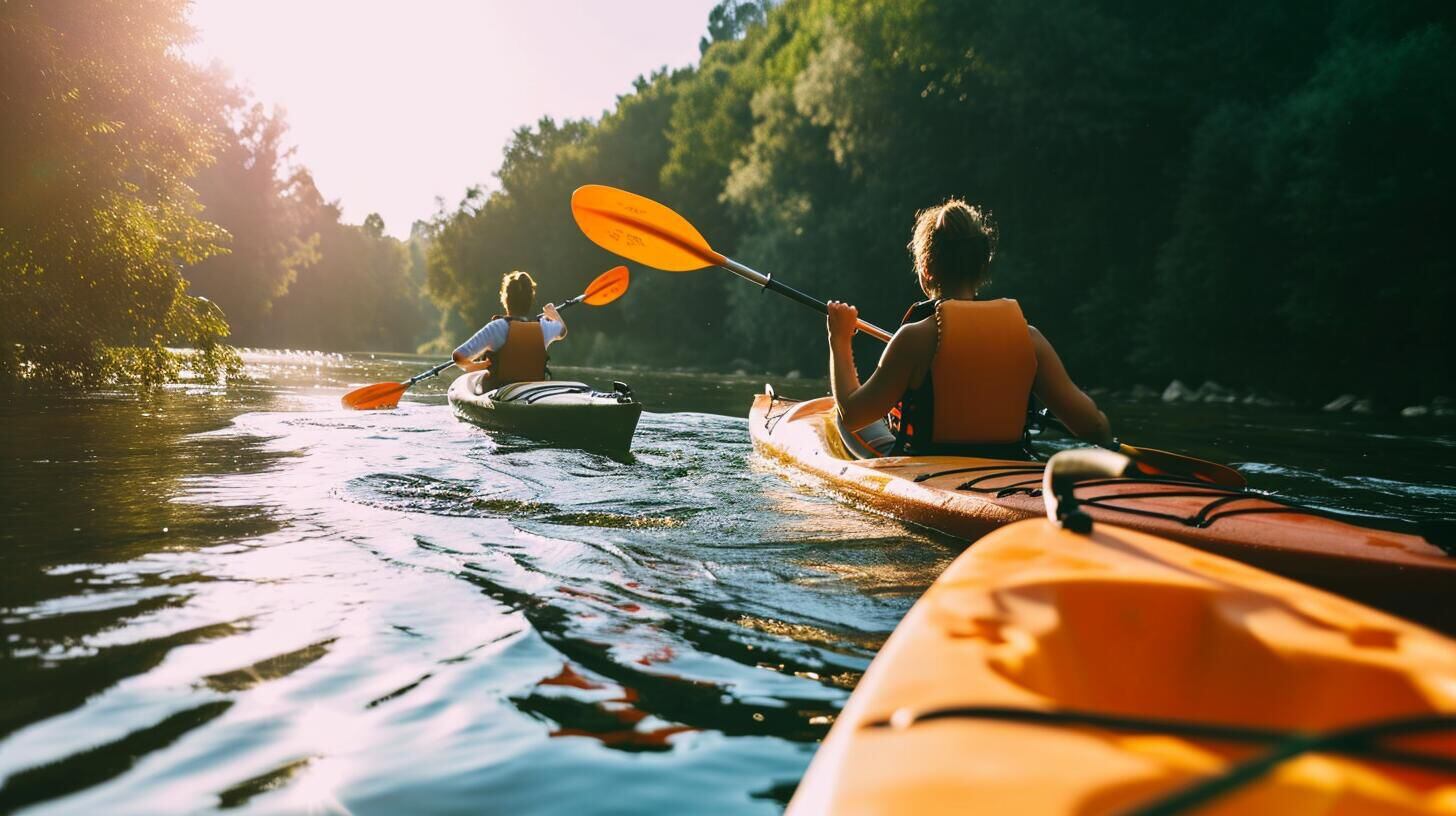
(794, 294)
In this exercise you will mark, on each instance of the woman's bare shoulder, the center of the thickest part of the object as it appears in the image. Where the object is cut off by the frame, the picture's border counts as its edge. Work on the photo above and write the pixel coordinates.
(916, 341)
(920, 333)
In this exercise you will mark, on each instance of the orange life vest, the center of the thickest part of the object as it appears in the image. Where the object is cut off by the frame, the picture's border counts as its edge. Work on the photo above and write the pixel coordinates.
(975, 394)
(523, 357)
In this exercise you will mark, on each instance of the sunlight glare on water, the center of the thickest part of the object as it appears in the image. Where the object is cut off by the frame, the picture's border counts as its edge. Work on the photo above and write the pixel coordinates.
(424, 614)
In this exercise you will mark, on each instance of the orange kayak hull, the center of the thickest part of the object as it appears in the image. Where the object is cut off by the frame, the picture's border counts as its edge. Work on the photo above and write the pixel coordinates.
(968, 497)
(1126, 625)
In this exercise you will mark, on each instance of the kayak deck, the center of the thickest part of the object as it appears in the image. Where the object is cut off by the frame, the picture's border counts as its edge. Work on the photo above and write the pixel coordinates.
(968, 497)
(562, 412)
(1050, 672)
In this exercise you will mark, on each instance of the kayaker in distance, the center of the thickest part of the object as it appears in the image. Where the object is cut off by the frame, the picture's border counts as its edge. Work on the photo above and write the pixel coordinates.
(957, 375)
(513, 344)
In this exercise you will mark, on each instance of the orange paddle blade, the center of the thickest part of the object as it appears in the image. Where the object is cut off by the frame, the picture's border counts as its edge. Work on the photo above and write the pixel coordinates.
(607, 287)
(1160, 462)
(639, 229)
(379, 395)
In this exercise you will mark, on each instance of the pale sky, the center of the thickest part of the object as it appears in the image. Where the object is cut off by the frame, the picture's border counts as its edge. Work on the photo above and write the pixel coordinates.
(391, 104)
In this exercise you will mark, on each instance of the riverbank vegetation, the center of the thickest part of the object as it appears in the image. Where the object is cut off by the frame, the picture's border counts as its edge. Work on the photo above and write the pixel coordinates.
(150, 204)
(1240, 193)
(1243, 193)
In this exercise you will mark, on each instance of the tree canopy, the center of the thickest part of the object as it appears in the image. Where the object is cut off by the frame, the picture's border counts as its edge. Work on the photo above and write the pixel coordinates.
(150, 204)
(1243, 192)
(1247, 192)
(103, 129)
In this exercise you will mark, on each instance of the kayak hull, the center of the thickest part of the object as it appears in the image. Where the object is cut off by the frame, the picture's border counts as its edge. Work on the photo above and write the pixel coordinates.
(564, 413)
(1125, 625)
(969, 497)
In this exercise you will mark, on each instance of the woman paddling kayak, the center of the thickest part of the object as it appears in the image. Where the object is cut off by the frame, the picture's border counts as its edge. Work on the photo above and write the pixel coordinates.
(509, 393)
(513, 344)
(957, 375)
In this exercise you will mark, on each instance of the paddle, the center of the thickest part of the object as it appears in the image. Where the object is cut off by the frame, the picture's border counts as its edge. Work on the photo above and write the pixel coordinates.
(1154, 462)
(604, 289)
(642, 230)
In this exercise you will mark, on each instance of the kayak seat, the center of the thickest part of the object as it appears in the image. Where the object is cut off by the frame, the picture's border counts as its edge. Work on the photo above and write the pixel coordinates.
(876, 440)
(533, 391)
(870, 442)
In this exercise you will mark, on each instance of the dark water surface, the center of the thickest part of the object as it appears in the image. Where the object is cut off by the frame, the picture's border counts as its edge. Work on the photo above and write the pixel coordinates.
(246, 598)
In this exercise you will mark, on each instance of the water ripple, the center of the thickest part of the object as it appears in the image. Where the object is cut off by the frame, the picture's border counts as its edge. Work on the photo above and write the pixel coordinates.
(301, 609)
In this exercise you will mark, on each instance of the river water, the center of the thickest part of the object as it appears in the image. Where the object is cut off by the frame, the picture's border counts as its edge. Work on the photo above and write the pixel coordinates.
(248, 599)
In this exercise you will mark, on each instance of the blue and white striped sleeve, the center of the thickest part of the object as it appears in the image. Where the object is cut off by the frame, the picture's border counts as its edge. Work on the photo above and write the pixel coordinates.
(551, 331)
(491, 337)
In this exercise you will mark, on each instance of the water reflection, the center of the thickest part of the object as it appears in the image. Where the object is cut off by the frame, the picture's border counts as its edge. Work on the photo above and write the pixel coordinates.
(335, 591)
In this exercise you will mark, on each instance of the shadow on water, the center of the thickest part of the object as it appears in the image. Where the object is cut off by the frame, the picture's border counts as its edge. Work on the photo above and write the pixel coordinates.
(249, 599)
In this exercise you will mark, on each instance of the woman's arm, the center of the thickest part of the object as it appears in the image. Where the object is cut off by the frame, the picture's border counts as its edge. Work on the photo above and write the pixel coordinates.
(859, 405)
(490, 337)
(1054, 387)
(552, 314)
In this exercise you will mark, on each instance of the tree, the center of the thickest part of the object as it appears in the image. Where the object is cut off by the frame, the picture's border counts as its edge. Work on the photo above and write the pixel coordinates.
(358, 295)
(1190, 192)
(105, 124)
(730, 19)
(252, 191)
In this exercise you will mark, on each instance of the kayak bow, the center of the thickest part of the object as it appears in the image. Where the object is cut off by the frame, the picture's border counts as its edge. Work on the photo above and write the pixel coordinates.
(1110, 671)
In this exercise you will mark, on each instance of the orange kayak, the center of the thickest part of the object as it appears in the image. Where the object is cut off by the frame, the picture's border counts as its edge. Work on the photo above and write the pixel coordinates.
(968, 497)
(1054, 672)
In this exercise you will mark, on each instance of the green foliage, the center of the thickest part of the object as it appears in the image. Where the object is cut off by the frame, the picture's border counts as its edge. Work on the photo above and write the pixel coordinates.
(103, 128)
(256, 194)
(358, 295)
(295, 275)
(1242, 191)
(731, 19)
(526, 224)
(1323, 209)
(136, 182)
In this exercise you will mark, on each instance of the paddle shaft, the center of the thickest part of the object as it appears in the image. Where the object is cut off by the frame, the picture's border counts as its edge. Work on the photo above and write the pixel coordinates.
(428, 374)
(565, 303)
(1137, 454)
(604, 289)
(767, 282)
